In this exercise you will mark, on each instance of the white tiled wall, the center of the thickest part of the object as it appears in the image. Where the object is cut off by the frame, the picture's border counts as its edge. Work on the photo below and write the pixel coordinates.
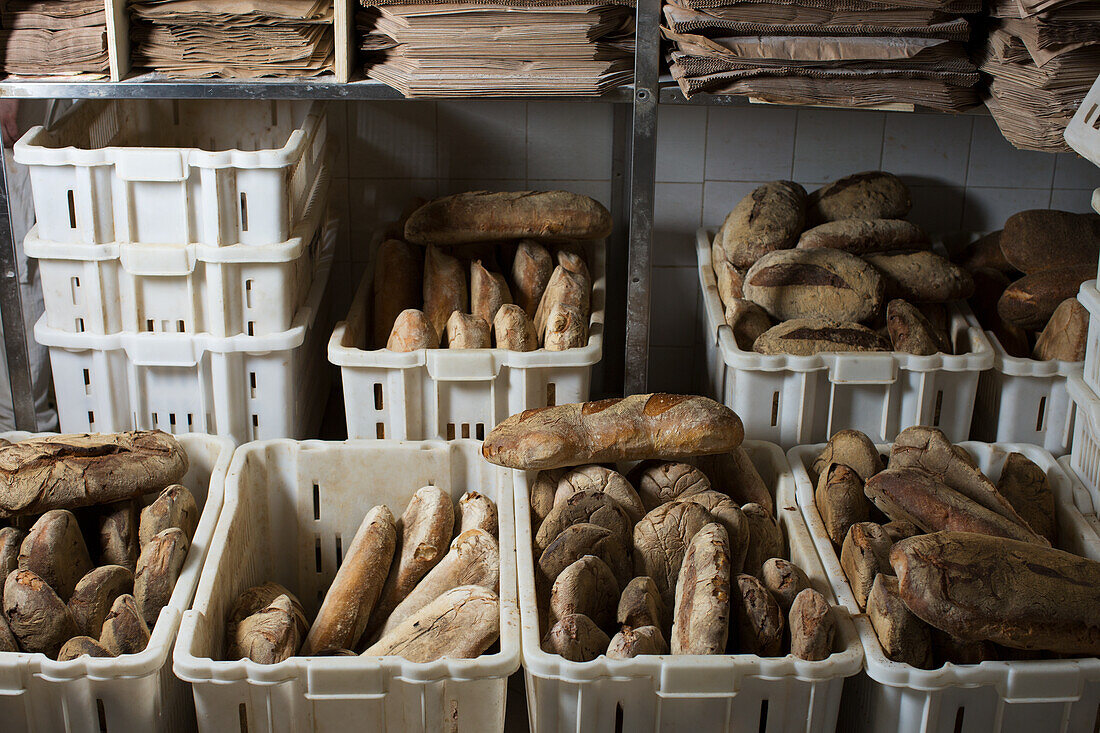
(961, 171)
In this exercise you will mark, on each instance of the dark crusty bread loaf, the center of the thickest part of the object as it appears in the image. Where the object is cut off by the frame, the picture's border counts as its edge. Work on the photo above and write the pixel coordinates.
(1040, 239)
(814, 283)
(866, 236)
(1013, 593)
(806, 336)
(868, 195)
(1031, 301)
(768, 219)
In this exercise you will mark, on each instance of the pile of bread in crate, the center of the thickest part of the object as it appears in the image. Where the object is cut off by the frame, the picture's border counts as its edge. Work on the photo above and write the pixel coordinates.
(949, 566)
(1026, 278)
(481, 269)
(838, 269)
(89, 557)
(681, 554)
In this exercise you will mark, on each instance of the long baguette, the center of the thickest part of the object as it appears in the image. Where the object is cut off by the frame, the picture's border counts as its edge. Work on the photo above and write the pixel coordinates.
(1016, 594)
(68, 471)
(397, 285)
(631, 428)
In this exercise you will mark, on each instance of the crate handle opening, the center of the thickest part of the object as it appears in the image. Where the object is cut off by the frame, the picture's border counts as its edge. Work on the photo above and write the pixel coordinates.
(242, 713)
(102, 713)
(763, 716)
(72, 209)
(1042, 413)
(959, 720)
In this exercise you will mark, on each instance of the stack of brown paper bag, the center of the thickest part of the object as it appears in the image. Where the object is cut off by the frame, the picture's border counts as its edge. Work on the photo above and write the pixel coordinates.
(233, 38)
(54, 37)
(1042, 56)
(494, 49)
(855, 53)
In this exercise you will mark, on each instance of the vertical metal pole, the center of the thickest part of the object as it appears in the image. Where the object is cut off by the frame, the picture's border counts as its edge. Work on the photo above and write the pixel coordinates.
(614, 339)
(11, 315)
(643, 169)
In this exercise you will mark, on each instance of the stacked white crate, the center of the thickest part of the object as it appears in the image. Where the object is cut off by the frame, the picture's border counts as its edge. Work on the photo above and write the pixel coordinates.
(184, 256)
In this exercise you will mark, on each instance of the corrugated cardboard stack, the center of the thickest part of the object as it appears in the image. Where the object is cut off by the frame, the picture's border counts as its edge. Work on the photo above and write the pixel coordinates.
(1041, 57)
(855, 53)
(493, 49)
(52, 38)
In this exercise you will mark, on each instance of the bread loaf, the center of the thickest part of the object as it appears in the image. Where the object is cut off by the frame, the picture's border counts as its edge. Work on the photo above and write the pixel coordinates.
(575, 542)
(640, 605)
(864, 554)
(807, 336)
(473, 559)
(398, 285)
(661, 540)
(80, 646)
(411, 331)
(513, 330)
(1040, 239)
(701, 616)
(593, 507)
(903, 636)
(724, 511)
(760, 623)
(484, 216)
(730, 282)
(913, 495)
(1065, 336)
(660, 482)
(488, 292)
(586, 587)
(466, 331)
(784, 580)
(869, 195)
(174, 507)
(985, 253)
(68, 471)
(900, 529)
(158, 569)
(124, 629)
(543, 490)
(422, 537)
(11, 539)
(444, 288)
(8, 642)
(812, 625)
(355, 590)
(576, 638)
(814, 283)
(475, 511)
(37, 617)
(922, 277)
(461, 624)
(768, 219)
(565, 288)
(95, 594)
(599, 478)
(635, 427)
(631, 642)
(733, 474)
(1044, 598)
(866, 236)
(272, 634)
(765, 538)
(566, 328)
(119, 531)
(570, 255)
(912, 333)
(1026, 487)
(840, 501)
(1031, 301)
(531, 270)
(748, 321)
(54, 550)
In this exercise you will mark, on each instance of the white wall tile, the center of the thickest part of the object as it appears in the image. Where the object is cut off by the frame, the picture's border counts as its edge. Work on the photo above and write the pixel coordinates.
(671, 369)
(673, 296)
(336, 115)
(1072, 199)
(987, 208)
(832, 144)
(461, 185)
(995, 163)
(1073, 171)
(482, 139)
(599, 190)
(719, 198)
(926, 149)
(938, 209)
(338, 205)
(753, 143)
(681, 143)
(391, 140)
(569, 140)
(677, 214)
(375, 202)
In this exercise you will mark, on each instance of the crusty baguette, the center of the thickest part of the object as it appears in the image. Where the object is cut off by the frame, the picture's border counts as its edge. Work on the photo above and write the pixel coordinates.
(488, 292)
(444, 288)
(531, 270)
(852, 449)
(461, 624)
(1025, 485)
(158, 569)
(661, 540)
(565, 288)
(411, 331)
(68, 471)
(475, 511)
(467, 331)
(351, 598)
(633, 641)
(54, 550)
(566, 328)
(812, 625)
(514, 330)
(174, 507)
(397, 285)
(701, 616)
(484, 216)
(635, 427)
(1012, 593)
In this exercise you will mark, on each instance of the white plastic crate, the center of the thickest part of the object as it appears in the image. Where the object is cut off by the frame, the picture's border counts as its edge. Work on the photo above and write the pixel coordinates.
(1083, 131)
(192, 288)
(175, 171)
(804, 399)
(991, 697)
(1025, 401)
(691, 693)
(1090, 298)
(462, 393)
(135, 692)
(1085, 455)
(249, 387)
(287, 505)
(1081, 495)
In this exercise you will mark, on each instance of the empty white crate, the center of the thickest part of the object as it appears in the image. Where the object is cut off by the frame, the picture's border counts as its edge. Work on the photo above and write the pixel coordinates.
(991, 697)
(169, 288)
(1083, 131)
(249, 387)
(287, 506)
(690, 693)
(1025, 401)
(174, 171)
(460, 393)
(135, 692)
(804, 399)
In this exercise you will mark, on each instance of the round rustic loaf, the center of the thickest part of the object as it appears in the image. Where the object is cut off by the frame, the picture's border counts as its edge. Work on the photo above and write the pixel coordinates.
(815, 283)
(869, 195)
(768, 219)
